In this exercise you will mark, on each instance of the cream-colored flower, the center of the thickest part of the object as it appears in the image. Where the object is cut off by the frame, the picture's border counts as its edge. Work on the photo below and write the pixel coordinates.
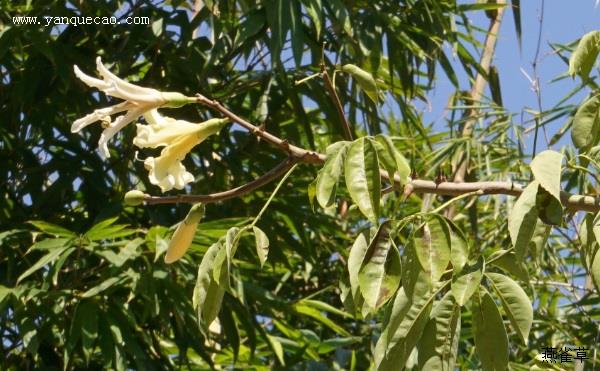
(137, 101)
(184, 234)
(178, 137)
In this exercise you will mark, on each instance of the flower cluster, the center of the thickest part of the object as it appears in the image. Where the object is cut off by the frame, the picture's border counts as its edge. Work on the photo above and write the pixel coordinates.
(178, 137)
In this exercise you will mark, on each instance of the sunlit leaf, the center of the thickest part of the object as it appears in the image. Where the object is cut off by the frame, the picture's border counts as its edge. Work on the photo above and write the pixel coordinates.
(584, 57)
(515, 302)
(491, 342)
(362, 177)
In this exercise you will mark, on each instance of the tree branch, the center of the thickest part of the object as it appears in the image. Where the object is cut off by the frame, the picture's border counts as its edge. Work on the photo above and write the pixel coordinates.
(294, 151)
(570, 202)
(266, 178)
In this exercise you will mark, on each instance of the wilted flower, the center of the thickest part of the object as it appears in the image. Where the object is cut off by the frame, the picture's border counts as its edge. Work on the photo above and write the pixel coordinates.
(184, 234)
(137, 101)
(178, 137)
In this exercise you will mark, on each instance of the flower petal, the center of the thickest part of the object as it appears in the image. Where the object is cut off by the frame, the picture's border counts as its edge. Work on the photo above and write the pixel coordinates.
(167, 174)
(91, 81)
(99, 114)
(117, 125)
(122, 89)
(162, 130)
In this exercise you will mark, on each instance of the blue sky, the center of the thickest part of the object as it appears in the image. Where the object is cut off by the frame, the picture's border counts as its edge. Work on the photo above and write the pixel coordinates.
(564, 21)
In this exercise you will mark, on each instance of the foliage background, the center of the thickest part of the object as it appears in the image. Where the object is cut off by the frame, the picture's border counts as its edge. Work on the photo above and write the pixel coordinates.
(82, 281)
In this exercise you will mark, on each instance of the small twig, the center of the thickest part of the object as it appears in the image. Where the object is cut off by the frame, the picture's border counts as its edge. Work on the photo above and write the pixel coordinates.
(268, 177)
(266, 205)
(336, 101)
(536, 84)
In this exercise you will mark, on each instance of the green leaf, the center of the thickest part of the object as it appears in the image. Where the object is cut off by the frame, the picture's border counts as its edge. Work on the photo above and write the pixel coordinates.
(278, 16)
(583, 58)
(357, 255)
(208, 295)
(106, 284)
(392, 158)
(508, 262)
(546, 168)
(439, 344)
(491, 342)
(515, 302)
(314, 8)
(459, 249)
(106, 230)
(380, 272)
(465, 285)
(595, 270)
(309, 310)
(262, 244)
(51, 229)
(330, 173)
(364, 79)
(44, 260)
(550, 209)
(432, 245)
(409, 330)
(522, 219)
(277, 348)
(586, 124)
(222, 263)
(362, 177)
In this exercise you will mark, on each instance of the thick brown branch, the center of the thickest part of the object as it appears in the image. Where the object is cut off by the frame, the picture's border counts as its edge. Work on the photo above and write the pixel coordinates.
(268, 177)
(336, 101)
(571, 202)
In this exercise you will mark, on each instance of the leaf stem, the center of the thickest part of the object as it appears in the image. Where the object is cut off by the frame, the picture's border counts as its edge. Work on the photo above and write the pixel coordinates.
(266, 205)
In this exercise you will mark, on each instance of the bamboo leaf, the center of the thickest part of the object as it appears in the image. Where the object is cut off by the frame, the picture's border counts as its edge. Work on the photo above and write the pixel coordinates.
(515, 302)
(362, 177)
(44, 260)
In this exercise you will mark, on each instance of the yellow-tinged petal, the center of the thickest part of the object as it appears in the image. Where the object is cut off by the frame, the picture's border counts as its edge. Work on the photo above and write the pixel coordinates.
(184, 234)
(138, 100)
(167, 171)
(162, 130)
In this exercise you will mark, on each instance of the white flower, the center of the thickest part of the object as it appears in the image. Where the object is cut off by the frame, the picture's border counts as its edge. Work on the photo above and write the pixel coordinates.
(137, 101)
(178, 137)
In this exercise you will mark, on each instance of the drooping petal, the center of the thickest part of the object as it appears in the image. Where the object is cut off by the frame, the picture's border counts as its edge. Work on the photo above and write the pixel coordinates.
(167, 171)
(167, 175)
(117, 125)
(91, 81)
(98, 115)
